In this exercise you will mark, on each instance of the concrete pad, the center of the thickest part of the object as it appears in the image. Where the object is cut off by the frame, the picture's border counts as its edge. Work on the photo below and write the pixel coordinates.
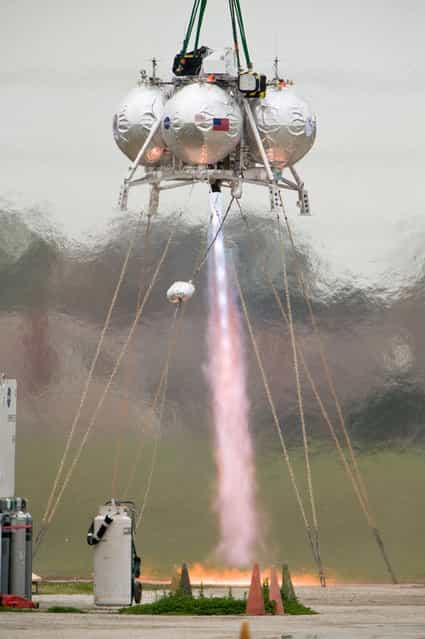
(346, 612)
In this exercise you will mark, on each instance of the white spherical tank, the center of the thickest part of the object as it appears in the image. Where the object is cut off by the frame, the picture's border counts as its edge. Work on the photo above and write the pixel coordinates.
(134, 119)
(202, 123)
(286, 125)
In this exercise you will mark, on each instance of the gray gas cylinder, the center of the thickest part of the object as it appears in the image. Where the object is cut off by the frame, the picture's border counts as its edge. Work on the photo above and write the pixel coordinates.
(4, 552)
(17, 577)
(28, 556)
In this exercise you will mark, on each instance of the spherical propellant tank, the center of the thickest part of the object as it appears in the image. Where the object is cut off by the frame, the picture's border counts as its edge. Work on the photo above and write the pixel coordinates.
(135, 117)
(286, 125)
(202, 123)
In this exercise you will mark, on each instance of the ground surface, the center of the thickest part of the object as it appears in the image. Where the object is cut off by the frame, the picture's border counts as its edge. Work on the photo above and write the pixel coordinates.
(346, 612)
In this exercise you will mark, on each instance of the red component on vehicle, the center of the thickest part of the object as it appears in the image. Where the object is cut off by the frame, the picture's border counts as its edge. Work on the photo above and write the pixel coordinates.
(15, 601)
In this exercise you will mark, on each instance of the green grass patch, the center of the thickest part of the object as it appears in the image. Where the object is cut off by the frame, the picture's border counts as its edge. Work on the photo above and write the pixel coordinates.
(294, 607)
(185, 605)
(62, 609)
(174, 604)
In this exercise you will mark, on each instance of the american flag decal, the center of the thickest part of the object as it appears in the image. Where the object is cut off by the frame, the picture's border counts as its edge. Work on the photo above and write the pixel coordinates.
(220, 124)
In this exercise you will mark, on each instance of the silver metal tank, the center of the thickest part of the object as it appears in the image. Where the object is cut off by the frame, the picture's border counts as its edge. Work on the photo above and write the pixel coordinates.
(17, 576)
(286, 125)
(28, 556)
(5, 533)
(202, 123)
(136, 115)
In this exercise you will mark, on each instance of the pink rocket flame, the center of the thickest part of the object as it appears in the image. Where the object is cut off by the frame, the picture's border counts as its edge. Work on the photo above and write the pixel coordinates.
(227, 380)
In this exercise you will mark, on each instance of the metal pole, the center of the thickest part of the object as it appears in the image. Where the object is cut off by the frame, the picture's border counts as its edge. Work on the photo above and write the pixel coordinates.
(143, 150)
(126, 184)
(260, 145)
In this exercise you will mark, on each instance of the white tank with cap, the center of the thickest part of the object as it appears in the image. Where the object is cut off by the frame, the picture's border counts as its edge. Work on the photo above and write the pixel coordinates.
(111, 535)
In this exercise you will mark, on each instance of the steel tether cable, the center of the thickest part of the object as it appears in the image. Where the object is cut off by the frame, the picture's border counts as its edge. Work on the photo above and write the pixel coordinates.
(361, 486)
(119, 439)
(211, 244)
(161, 393)
(314, 388)
(163, 390)
(84, 394)
(108, 385)
(301, 405)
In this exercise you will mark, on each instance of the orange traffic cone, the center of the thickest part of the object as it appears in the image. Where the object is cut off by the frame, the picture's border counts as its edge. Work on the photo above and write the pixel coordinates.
(245, 634)
(255, 603)
(275, 592)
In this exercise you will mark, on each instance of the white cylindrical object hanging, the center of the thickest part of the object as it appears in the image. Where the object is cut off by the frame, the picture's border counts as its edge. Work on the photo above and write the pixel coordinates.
(180, 292)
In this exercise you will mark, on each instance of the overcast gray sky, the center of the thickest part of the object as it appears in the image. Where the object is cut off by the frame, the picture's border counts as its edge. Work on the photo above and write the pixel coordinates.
(66, 65)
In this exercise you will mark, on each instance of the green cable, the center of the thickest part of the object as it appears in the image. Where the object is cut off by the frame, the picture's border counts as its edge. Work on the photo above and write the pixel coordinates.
(243, 35)
(235, 33)
(201, 17)
(190, 26)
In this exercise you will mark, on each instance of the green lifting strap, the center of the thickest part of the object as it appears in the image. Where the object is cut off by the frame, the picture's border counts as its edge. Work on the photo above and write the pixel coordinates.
(198, 7)
(235, 33)
(201, 18)
(190, 26)
(243, 34)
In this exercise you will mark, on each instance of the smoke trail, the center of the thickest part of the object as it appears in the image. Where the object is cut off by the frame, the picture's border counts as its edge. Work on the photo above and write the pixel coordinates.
(227, 380)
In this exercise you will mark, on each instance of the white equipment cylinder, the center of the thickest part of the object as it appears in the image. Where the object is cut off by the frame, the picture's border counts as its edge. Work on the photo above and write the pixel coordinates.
(113, 575)
(7, 436)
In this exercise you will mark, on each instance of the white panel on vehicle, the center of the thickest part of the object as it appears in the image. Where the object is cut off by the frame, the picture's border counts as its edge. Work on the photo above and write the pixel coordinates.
(220, 62)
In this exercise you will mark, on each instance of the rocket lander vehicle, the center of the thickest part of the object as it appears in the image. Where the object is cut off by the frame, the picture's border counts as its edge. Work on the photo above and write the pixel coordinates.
(216, 121)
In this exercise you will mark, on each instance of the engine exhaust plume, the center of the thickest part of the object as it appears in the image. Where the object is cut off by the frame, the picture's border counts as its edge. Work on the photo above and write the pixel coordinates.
(226, 372)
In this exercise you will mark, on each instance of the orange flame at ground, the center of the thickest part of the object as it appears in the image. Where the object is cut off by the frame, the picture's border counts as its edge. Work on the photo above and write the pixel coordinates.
(234, 577)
